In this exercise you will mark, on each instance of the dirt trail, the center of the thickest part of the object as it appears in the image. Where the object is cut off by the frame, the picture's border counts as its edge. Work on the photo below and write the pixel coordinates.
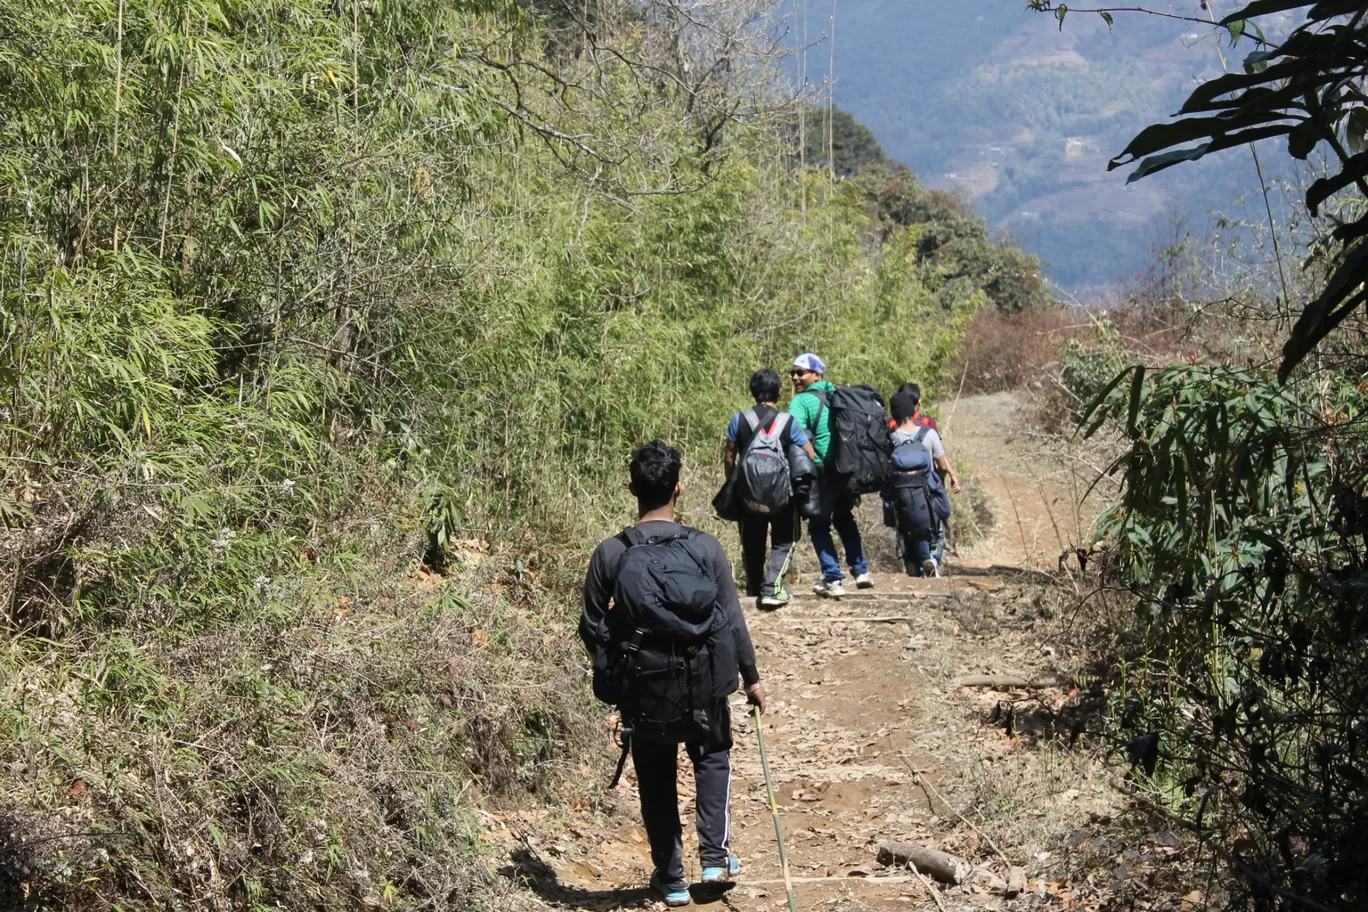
(863, 697)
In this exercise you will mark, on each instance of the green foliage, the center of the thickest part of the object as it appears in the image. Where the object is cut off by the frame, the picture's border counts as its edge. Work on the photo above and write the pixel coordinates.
(953, 244)
(1241, 530)
(1086, 368)
(853, 146)
(1304, 89)
(295, 299)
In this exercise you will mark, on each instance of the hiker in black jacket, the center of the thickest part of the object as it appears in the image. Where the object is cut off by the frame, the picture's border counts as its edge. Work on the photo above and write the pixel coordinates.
(654, 474)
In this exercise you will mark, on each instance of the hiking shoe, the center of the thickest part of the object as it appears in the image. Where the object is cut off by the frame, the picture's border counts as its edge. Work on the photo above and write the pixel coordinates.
(674, 897)
(720, 873)
(829, 589)
(929, 568)
(864, 581)
(778, 600)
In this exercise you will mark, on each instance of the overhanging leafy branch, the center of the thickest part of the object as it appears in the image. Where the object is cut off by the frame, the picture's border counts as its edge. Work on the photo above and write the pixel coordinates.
(1309, 89)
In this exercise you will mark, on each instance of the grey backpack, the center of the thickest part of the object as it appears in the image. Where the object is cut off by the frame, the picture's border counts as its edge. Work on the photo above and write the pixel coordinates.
(764, 466)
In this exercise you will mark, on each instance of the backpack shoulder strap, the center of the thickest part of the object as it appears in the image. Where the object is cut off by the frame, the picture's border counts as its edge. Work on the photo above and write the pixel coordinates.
(921, 434)
(781, 420)
(752, 416)
(821, 396)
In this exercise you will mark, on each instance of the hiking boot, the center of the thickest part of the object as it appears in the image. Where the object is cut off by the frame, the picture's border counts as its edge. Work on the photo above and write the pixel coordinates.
(929, 568)
(829, 589)
(674, 896)
(720, 873)
(864, 581)
(778, 600)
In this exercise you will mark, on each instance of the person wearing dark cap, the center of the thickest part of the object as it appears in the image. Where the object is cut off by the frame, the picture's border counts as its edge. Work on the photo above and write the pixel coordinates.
(914, 433)
(922, 419)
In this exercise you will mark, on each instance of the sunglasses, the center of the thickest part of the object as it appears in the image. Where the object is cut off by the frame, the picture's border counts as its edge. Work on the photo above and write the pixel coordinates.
(797, 372)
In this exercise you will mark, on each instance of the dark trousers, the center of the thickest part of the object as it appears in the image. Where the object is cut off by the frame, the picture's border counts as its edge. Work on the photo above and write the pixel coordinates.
(657, 768)
(915, 549)
(767, 548)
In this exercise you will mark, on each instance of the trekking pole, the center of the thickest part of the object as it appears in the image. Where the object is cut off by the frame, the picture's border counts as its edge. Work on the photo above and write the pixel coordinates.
(774, 809)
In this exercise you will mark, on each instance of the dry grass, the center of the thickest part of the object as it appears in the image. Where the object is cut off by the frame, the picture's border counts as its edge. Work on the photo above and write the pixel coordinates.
(319, 749)
(1004, 351)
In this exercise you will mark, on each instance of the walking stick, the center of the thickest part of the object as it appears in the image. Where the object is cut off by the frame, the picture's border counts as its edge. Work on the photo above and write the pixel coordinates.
(774, 809)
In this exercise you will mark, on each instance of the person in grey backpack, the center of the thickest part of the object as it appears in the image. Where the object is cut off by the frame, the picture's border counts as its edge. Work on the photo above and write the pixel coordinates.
(663, 624)
(917, 441)
(758, 441)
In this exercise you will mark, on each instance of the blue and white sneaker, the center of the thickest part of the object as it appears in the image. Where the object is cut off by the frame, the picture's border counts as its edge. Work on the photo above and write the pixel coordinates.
(674, 896)
(721, 873)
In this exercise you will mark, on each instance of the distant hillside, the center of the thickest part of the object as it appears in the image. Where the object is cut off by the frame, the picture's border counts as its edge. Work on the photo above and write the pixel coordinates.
(1002, 104)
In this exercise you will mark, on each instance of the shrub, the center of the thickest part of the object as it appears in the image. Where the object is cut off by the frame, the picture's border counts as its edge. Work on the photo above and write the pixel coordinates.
(1008, 351)
(1241, 535)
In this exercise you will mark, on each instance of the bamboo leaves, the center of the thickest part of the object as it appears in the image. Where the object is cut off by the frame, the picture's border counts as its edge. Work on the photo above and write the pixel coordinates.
(1249, 585)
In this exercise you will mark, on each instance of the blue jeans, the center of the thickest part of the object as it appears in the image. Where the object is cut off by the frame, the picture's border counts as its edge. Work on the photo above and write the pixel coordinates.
(938, 546)
(838, 509)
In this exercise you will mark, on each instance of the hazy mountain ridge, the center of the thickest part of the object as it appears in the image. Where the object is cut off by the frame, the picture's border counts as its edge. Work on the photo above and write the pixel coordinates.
(1023, 117)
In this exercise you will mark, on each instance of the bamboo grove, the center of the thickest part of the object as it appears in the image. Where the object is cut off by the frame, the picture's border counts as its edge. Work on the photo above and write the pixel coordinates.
(297, 296)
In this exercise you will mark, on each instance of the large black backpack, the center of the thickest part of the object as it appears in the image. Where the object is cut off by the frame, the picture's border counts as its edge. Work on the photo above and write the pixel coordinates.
(859, 451)
(670, 653)
(913, 503)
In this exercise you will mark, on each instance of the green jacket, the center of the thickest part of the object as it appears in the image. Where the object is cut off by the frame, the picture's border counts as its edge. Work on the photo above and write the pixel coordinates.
(805, 409)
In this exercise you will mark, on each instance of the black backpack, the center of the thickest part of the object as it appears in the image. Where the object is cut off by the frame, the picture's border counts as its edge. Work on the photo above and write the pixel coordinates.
(913, 504)
(860, 448)
(670, 654)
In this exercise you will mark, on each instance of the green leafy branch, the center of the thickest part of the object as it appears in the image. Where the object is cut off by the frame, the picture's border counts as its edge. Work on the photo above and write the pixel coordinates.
(1309, 89)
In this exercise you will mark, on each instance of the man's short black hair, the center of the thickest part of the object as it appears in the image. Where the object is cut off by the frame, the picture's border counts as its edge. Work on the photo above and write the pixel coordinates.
(765, 385)
(911, 390)
(655, 473)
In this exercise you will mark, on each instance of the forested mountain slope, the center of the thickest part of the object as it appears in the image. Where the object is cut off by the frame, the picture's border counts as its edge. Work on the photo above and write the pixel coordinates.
(1023, 116)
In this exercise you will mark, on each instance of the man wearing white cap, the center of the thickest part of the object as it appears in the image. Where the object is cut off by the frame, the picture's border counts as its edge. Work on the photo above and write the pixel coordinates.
(809, 408)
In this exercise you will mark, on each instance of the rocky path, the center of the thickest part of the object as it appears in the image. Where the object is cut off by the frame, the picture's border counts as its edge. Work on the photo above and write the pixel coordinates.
(870, 736)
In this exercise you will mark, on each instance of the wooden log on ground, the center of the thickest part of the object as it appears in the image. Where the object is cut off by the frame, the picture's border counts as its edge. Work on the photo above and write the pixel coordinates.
(945, 868)
(1003, 682)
